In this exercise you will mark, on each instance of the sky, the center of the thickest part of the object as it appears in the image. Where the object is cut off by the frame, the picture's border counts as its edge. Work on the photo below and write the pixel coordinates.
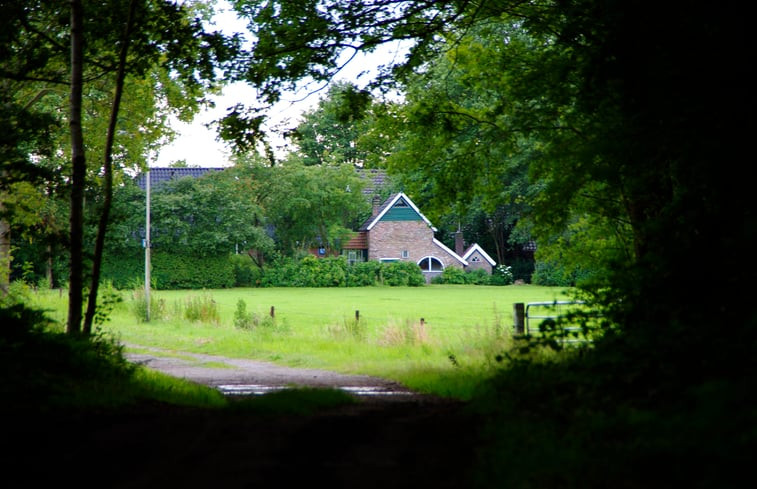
(197, 145)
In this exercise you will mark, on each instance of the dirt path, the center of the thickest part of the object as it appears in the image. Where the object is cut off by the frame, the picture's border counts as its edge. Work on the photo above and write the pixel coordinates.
(240, 376)
(386, 441)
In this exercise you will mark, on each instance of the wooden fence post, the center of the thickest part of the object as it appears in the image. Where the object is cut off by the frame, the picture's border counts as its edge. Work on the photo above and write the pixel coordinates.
(519, 317)
(273, 312)
(357, 315)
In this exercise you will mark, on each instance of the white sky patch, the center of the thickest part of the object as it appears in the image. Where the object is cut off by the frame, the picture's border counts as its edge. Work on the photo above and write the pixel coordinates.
(198, 145)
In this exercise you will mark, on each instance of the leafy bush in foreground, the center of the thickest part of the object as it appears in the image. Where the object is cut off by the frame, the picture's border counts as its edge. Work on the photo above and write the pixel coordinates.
(41, 368)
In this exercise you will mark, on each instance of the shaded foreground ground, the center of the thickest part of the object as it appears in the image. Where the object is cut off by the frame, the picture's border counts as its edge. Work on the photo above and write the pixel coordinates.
(384, 441)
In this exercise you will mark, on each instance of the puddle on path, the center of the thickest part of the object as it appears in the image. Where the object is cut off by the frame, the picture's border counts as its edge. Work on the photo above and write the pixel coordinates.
(259, 390)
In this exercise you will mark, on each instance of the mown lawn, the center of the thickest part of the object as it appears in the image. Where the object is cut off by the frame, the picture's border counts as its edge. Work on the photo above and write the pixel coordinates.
(464, 328)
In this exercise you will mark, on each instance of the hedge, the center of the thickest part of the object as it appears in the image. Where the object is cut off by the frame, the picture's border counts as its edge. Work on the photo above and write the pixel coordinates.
(336, 272)
(178, 271)
(170, 271)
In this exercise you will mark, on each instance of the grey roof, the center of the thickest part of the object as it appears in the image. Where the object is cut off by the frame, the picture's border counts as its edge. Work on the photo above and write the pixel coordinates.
(377, 179)
(159, 176)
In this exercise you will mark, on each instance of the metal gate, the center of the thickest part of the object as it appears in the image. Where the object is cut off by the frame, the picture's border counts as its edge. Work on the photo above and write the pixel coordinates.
(524, 314)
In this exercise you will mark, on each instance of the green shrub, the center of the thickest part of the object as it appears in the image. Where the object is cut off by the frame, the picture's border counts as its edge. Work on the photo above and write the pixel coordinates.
(279, 273)
(402, 273)
(549, 274)
(44, 284)
(246, 272)
(254, 321)
(19, 292)
(453, 275)
(478, 276)
(107, 299)
(242, 318)
(321, 272)
(364, 274)
(555, 274)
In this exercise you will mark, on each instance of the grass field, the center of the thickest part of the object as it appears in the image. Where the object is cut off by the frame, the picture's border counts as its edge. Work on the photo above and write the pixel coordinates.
(463, 329)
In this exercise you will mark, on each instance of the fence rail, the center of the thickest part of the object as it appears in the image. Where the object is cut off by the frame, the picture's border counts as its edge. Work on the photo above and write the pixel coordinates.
(522, 316)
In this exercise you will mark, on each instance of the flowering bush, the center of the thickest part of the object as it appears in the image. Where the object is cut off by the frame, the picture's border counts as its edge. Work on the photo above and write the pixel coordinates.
(502, 275)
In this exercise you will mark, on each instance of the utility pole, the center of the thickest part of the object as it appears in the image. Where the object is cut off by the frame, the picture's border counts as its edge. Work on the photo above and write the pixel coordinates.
(147, 250)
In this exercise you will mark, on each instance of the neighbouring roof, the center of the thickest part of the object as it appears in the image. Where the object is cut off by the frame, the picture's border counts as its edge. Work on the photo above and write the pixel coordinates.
(159, 176)
(388, 205)
(358, 241)
(529, 246)
(377, 178)
(476, 248)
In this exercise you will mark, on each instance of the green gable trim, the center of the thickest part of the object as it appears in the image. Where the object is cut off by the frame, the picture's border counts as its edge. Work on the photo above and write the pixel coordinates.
(401, 208)
(401, 214)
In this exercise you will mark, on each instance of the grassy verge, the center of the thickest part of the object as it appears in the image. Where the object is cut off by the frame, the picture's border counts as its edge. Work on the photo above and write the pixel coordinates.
(43, 371)
(441, 339)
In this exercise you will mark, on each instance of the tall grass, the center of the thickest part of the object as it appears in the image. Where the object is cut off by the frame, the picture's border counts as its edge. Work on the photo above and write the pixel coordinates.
(201, 308)
(463, 332)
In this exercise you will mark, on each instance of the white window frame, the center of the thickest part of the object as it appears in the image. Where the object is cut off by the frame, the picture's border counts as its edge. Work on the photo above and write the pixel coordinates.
(429, 268)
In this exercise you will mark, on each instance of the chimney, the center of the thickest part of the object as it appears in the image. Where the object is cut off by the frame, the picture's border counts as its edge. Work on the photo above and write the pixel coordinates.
(459, 245)
(376, 205)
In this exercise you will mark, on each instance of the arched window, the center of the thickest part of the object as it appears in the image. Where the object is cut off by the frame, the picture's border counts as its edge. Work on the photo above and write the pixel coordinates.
(430, 264)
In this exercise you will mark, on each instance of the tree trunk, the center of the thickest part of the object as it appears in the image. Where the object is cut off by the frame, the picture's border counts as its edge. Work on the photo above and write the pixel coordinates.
(497, 231)
(79, 166)
(49, 268)
(108, 174)
(5, 254)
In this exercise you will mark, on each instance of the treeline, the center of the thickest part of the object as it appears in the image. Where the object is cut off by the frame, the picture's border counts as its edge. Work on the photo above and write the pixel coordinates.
(249, 225)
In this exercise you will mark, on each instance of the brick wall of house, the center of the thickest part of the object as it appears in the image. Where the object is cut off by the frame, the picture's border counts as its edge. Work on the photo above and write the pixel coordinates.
(388, 239)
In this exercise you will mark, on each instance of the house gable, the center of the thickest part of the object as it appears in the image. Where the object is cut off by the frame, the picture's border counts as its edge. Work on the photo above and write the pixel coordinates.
(477, 251)
(401, 211)
(398, 231)
(397, 208)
